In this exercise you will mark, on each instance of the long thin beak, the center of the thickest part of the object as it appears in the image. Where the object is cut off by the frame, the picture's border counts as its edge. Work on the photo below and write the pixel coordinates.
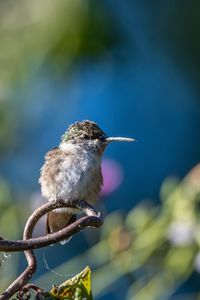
(119, 139)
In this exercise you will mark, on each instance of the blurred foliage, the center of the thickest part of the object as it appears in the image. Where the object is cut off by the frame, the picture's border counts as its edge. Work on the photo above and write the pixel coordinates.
(181, 28)
(54, 32)
(154, 248)
(13, 215)
(9, 228)
(36, 36)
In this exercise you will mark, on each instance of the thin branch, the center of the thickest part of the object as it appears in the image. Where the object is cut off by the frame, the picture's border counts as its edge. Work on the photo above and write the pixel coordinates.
(25, 293)
(93, 219)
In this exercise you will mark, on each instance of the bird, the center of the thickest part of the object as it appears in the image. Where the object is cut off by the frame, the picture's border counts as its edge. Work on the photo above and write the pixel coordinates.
(72, 171)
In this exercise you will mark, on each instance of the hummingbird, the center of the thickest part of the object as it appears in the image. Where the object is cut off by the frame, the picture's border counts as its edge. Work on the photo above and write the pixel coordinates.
(72, 171)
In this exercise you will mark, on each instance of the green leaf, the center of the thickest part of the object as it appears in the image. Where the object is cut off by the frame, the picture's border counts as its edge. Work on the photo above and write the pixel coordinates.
(75, 288)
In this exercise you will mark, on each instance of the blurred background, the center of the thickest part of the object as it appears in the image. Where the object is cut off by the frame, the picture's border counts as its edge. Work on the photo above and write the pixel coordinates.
(134, 68)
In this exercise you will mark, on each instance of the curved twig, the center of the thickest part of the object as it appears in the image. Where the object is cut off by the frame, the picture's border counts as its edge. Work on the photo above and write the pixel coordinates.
(25, 292)
(93, 219)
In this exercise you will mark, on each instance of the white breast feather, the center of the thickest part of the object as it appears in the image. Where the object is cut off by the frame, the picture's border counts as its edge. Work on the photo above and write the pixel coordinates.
(79, 177)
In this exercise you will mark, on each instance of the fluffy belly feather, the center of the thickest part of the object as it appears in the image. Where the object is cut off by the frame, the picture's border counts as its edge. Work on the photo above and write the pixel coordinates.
(70, 180)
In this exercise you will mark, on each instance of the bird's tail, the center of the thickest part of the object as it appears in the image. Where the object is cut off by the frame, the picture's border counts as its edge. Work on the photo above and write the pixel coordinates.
(58, 220)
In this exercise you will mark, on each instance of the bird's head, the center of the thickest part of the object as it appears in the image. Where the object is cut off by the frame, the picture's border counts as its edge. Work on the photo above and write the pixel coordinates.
(89, 132)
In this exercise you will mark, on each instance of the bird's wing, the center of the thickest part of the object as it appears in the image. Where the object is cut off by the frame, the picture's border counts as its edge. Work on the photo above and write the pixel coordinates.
(57, 221)
(49, 171)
